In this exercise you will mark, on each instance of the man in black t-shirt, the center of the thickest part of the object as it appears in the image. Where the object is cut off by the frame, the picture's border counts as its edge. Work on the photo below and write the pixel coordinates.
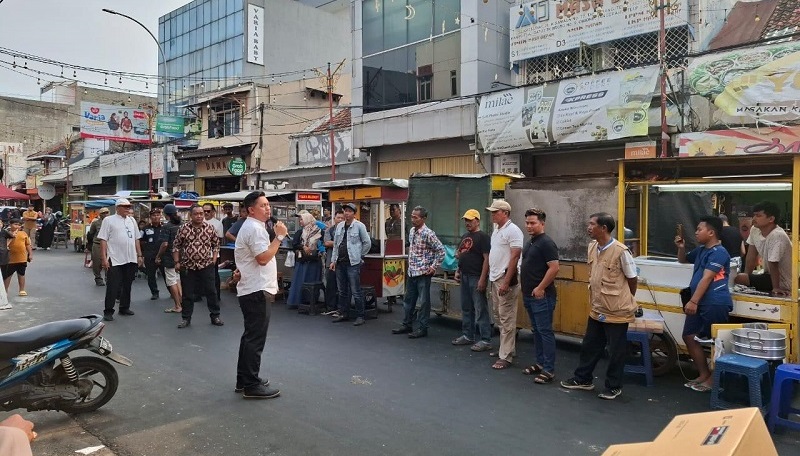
(539, 268)
(731, 239)
(472, 273)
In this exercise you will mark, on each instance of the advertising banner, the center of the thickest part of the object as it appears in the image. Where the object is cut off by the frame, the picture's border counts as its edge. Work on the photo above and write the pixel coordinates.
(606, 106)
(114, 123)
(758, 83)
(171, 126)
(255, 34)
(742, 141)
(516, 119)
(544, 27)
(394, 282)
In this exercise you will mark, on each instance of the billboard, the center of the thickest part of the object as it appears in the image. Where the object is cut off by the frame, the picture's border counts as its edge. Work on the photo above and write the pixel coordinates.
(610, 105)
(115, 123)
(171, 126)
(751, 84)
(543, 27)
(255, 34)
(741, 141)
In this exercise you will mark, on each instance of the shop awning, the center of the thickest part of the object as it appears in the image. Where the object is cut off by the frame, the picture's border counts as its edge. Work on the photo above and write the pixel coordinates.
(194, 154)
(239, 196)
(61, 174)
(8, 194)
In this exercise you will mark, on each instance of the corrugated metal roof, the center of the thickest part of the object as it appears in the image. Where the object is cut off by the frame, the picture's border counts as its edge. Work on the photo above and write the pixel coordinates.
(741, 26)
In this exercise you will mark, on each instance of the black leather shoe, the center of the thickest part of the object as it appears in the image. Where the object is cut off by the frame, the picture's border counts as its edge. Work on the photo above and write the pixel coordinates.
(359, 321)
(339, 319)
(154, 297)
(240, 390)
(108, 317)
(260, 392)
(402, 330)
(184, 324)
(417, 334)
(216, 321)
(127, 312)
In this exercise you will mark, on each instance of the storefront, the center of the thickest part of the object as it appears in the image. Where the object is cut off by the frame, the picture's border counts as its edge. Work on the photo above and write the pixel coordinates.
(449, 156)
(220, 174)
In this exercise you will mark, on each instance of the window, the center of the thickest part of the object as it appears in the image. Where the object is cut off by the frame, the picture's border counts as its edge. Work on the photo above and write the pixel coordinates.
(453, 83)
(425, 88)
(223, 119)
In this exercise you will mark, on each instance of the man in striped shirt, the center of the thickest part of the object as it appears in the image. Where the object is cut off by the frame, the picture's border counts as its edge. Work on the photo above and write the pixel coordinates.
(425, 254)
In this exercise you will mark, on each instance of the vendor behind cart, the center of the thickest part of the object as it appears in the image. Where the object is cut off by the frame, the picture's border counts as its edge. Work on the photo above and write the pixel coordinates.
(774, 247)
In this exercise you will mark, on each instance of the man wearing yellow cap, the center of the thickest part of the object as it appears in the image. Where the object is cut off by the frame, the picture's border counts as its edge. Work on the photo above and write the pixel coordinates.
(473, 274)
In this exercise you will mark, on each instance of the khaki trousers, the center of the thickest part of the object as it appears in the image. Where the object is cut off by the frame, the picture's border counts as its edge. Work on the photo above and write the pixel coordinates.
(31, 232)
(504, 308)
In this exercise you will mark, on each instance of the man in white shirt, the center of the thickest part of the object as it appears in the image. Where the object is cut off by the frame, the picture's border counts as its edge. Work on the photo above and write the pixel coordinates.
(257, 285)
(122, 256)
(506, 247)
(210, 215)
(770, 242)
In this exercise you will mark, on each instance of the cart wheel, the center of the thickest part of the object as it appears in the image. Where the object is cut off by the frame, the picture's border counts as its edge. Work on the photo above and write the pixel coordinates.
(664, 353)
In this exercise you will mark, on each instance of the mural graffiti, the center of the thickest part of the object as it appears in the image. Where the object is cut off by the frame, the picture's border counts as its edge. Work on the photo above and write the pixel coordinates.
(316, 149)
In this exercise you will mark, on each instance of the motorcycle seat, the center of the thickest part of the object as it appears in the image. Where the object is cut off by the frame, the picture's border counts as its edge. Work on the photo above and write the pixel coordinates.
(25, 340)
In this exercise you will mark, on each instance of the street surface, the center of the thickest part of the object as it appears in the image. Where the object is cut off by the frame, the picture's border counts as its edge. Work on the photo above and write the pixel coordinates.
(344, 390)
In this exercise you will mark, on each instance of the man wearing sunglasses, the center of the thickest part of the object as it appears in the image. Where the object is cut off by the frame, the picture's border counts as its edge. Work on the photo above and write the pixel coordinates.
(121, 254)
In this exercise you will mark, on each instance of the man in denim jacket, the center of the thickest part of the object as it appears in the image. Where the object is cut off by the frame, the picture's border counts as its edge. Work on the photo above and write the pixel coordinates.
(346, 260)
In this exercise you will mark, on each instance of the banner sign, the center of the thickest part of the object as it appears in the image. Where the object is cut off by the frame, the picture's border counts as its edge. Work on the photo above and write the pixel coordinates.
(308, 197)
(543, 27)
(611, 105)
(255, 34)
(742, 141)
(641, 149)
(759, 83)
(171, 126)
(114, 123)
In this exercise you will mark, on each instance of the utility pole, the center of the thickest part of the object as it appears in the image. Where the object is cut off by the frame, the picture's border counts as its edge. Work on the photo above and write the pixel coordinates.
(662, 59)
(330, 78)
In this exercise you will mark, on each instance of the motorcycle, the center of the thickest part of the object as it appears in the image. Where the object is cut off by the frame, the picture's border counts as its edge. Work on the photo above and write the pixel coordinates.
(37, 372)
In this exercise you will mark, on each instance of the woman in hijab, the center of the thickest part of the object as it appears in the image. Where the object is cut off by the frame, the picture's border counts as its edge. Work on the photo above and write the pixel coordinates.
(48, 230)
(307, 266)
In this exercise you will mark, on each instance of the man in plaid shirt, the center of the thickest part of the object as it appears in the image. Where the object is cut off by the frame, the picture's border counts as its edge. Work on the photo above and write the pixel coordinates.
(195, 252)
(425, 254)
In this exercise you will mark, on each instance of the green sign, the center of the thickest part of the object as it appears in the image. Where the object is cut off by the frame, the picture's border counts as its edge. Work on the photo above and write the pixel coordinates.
(171, 126)
(237, 166)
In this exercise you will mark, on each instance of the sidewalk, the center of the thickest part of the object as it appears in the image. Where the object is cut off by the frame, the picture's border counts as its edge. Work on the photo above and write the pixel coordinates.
(60, 434)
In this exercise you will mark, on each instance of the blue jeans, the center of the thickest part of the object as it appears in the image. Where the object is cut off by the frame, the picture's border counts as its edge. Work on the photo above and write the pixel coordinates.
(417, 288)
(540, 312)
(348, 281)
(474, 307)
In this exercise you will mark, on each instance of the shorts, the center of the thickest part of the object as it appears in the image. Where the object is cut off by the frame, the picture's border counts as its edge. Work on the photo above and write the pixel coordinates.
(171, 276)
(10, 269)
(700, 323)
(761, 282)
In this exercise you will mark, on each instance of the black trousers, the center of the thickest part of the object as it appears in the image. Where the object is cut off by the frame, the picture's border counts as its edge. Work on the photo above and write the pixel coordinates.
(150, 269)
(331, 290)
(198, 282)
(118, 285)
(598, 336)
(256, 309)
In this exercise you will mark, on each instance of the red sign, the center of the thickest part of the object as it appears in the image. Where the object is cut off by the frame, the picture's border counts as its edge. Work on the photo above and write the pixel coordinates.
(308, 197)
(743, 141)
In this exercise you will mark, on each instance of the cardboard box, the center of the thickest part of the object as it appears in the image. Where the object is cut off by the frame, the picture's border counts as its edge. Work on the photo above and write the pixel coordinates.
(628, 449)
(739, 432)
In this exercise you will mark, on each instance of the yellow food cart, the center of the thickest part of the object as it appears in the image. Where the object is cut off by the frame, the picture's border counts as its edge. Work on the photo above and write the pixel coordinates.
(384, 268)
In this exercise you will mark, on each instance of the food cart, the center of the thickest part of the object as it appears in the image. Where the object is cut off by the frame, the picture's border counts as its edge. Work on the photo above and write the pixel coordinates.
(82, 214)
(385, 269)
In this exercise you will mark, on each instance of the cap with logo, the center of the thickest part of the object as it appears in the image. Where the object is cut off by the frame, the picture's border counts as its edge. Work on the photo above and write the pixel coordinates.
(472, 214)
(499, 205)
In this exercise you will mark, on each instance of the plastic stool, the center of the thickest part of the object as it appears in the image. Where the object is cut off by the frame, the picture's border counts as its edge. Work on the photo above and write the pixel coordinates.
(753, 369)
(646, 367)
(782, 392)
(309, 298)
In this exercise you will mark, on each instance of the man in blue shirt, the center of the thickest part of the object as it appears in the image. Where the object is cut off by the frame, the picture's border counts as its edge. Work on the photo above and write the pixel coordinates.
(711, 300)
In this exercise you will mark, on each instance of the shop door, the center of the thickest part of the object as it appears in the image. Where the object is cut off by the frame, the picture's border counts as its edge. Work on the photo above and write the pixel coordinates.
(217, 185)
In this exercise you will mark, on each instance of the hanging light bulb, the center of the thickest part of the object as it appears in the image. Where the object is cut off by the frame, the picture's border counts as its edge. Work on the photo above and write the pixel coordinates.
(85, 91)
(74, 74)
(62, 71)
(14, 65)
(146, 85)
(758, 18)
(106, 80)
(120, 79)
(129, 98)
(25, 65)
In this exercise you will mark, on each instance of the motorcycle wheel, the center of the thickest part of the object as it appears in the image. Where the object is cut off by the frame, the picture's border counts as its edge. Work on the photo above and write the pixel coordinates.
(103, 377)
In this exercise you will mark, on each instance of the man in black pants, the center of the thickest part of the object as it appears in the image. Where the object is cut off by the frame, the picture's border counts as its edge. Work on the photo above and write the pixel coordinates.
(151, 242)
(121, 256)
(331, 290)
(257, 276)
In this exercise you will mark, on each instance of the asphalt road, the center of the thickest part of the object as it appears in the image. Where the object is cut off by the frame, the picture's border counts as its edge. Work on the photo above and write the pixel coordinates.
(344, 389)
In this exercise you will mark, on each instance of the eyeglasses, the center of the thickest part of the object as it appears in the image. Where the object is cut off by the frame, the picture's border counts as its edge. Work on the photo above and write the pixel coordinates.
(206, 211)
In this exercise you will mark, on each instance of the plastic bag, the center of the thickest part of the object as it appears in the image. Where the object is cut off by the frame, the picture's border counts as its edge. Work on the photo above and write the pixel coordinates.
(289, 263)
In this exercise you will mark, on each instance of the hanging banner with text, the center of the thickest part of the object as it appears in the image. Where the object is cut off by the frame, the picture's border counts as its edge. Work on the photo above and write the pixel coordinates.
(171, 126)
(741, 141)
(760, 83)
(255, 34)
(611, 105)
(114, 123)
(543, 27)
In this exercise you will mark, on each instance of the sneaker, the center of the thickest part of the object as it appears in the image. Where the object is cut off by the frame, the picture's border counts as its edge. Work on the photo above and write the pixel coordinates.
(239, 389)
(99, 282)
(154, 297)
(575, 384)
(108, 317)
(359, 321)
(260, 392)
(5, 306)
(216, 321)
(463, 340)
(127, 312)
(610, 394)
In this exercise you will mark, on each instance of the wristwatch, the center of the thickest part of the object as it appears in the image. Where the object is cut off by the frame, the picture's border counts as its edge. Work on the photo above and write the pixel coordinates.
(280, 237)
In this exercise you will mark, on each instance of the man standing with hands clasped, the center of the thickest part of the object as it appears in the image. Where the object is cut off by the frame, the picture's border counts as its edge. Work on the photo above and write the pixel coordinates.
(473, 277)
(256, 289)
(122, 255)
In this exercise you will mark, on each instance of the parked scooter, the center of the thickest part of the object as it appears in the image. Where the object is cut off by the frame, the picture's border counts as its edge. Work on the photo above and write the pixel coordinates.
(31, 378)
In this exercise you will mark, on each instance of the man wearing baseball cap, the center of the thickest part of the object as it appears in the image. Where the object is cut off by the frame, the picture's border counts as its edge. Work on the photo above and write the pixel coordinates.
(121, 256)
(506, 248)
(473, 275)
(346, 260)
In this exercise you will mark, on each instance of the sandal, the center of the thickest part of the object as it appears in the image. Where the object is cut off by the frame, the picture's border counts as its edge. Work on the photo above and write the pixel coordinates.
(544, 377)
(532, 370)
(171, 310)
(690, 384)
(501, 364)
(701, 388)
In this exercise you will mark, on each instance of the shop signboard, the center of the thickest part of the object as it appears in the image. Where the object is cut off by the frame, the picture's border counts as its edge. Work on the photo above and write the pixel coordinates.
(171, 126)
(543, 27)
(114, 123)
(393, 277)
(761, 83)
(255, 34)
(741, 141)
(308, 197)
(640, 149)
(237, 166)
(610, 105)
